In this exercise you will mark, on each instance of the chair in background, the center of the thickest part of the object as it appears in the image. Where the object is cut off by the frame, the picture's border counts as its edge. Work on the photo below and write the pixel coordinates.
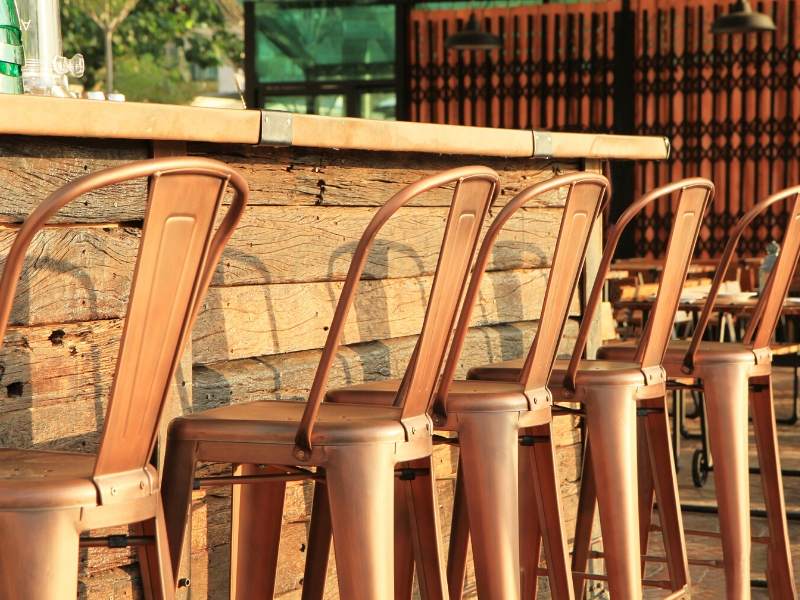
(734, 376)
(614, 396)
(489, 419)
(354, 447)
(47, 499)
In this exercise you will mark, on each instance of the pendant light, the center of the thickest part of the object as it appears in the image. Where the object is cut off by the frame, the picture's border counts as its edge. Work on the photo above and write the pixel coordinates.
(742, 19)
(472, 37)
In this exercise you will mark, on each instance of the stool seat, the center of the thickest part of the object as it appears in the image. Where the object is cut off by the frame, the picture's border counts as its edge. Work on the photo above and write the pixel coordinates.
(464, 396)
(276, 422)
(708, 353)
(45, 479)
(590, 372)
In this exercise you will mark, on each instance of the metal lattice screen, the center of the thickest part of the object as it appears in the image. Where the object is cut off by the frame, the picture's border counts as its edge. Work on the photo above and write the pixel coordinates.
(730, 104)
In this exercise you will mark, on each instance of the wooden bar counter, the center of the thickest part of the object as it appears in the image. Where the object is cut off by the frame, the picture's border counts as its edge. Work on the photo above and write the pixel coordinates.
(315, 183)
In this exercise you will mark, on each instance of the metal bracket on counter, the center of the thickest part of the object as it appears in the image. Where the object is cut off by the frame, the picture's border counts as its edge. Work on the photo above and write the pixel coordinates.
(276, 128)
(542, 144)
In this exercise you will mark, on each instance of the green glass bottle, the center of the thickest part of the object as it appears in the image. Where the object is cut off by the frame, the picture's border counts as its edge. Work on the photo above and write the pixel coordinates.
(12, 56)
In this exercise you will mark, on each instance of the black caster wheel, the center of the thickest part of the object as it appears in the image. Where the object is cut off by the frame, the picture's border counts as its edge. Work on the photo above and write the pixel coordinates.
(699, 468)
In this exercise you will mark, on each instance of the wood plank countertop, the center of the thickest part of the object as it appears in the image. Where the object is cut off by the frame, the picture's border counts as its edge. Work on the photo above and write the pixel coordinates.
(40, 116)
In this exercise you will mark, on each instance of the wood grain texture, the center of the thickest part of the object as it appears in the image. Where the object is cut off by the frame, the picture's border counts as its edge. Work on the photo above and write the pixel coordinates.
(289, 376)
(302, 176)
(281, 244)
(84, 273)
(74, 274)
(243, 321)
(31, 168)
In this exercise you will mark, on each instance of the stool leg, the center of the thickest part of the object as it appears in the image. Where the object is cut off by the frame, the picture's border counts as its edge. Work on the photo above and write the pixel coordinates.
(459, 540)
(423, 513)
(361, 491)
(666, 490)
(256, 517)
(611, 422)
(403, 541)
(587, 500)
(158, 582)
(726, 400)
(646, 486)
(530, 532)
(39, 560)
(489, 461)
(319, 545)
(176, 495)
(780, 575)
(543, 455)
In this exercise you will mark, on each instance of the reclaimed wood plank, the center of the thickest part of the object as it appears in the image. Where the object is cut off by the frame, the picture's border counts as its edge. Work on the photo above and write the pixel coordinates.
(289, 376)
(84, 273)
(303, 176)
(33, 167)
(301, 243)
(74, 274)
(244, 321)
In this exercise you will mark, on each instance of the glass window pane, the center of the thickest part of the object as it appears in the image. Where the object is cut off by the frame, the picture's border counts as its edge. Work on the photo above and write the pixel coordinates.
(295, 104)
(329, 105)
(324, 42)
(378, 105)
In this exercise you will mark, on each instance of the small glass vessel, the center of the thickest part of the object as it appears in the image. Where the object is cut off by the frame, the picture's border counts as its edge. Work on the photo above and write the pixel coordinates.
(12, 56)
(46, 70)
(773, 249)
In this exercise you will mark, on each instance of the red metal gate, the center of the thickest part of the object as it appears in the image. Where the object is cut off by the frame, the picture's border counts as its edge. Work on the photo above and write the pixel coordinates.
(729, 104)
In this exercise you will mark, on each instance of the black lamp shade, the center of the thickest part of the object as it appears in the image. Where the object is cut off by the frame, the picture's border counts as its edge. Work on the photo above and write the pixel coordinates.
(742, 19)
(472, 37)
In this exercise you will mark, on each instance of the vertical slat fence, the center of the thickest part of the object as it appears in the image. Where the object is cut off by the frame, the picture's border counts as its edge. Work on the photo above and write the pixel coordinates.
(729, 104)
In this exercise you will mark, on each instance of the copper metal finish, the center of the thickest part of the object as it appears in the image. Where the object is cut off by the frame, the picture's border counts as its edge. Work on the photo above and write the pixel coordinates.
(357, 445)
(611, 392)
(48, 498)
(726, 372)
(489, 418)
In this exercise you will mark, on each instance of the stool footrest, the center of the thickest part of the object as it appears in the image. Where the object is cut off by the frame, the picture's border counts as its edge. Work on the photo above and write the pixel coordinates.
(712, 534)
(116, 541)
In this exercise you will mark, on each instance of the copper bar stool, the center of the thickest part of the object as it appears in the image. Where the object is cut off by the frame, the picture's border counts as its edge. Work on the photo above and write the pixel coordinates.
(47, 499)
(612, 393)
(355, 447)
(731, 377)
(489, 421)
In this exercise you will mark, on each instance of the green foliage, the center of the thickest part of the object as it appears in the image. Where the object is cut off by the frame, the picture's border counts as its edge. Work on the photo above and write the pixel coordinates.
(145, 79)
(158, 36)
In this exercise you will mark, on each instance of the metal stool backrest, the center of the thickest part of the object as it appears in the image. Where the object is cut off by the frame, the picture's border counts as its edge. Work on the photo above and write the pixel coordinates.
(768, 309)
(694, 197)
(475, 190)
(586, 195)
(176, 260)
